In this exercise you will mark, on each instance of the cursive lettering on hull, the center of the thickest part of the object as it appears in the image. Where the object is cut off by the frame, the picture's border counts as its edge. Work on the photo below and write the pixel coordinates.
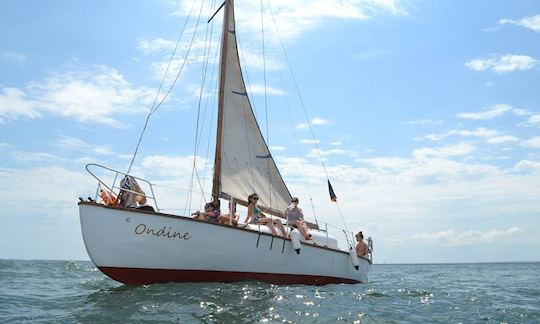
(143, 229)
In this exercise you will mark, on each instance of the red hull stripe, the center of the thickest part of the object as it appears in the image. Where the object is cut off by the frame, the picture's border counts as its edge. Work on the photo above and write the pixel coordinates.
(135, 276)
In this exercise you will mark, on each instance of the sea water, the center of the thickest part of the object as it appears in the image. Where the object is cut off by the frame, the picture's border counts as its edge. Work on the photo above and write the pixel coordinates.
(74, 292)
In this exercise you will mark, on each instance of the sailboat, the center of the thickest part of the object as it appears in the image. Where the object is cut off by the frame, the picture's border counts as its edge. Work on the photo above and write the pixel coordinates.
(139, 246)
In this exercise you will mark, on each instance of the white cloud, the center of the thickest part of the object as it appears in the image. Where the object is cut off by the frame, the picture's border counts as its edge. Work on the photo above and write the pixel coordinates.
(478, 132)
(315, 153)
(495, 111)
(277, 148)
(271, 91)
(157, 45)
(93, 97)
(521, 112)
(473, 237)
(319, 121)
(395, 163)
(11, 56)
(4, 145)
(532, 23)
(314, 121)
(394, 195)
(423, 122)
(433, 236)
(96, 96)
(502, 139)
(13, 105)
(296, 17)
(434, 137)
(300, 170)
(527, 165)
(198, 55)
(35, 157)
(534, 120)
(72, 143)
(76, 144)
(436, 170)
(252, 59)
(416, 190)
(43, 188)
(532, 142)
(502, 64)
(445, 151)
(103, 150)
(172, 166)
(309, 141)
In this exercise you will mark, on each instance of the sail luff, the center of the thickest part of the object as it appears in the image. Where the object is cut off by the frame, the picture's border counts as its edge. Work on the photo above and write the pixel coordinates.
(216, 183)
(246, 165)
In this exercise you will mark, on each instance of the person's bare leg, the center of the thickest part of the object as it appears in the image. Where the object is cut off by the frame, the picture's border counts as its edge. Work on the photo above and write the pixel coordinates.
(281, 228)
(306, 229)
(301, 229)
(270, 224)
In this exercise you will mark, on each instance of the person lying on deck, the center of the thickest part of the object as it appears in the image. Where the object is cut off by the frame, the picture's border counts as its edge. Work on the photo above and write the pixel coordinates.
(295, 217)
(255, 216)
(210, 214)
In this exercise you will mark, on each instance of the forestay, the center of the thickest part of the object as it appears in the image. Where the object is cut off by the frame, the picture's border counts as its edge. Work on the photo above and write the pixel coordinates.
(246, 164)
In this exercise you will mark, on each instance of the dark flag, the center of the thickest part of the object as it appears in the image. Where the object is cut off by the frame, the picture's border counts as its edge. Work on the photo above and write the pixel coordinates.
(333, 196)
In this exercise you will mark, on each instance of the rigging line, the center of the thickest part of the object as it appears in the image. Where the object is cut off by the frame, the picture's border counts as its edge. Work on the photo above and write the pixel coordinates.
(266, 105)
(213, 87)
(190, 195)
(203, 82)
(153, 108)
(207, 60)
(214, 91)
(303, 106)
(306, 183)
(298, 149)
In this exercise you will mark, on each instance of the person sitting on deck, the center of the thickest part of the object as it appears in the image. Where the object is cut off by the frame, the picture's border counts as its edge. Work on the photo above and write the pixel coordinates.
(141, 201)
(295, 217)
(210, 214)
(361, 246)
(255, 216)
(229, 219)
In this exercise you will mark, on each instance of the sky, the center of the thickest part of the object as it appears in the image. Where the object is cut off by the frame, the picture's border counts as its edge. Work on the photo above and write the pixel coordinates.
(426, 115)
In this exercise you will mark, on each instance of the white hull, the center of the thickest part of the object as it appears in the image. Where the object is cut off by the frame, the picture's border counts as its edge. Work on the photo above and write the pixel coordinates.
(137, 247)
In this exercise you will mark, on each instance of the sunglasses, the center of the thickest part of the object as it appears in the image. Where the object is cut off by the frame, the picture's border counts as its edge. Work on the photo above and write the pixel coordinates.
(294, 201)
(256, 198)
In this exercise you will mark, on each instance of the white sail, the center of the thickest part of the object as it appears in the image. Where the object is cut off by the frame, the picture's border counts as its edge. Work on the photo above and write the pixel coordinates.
(246, 163)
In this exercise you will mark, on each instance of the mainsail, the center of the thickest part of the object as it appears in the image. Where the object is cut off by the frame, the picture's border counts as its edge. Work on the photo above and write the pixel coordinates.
(244, 164)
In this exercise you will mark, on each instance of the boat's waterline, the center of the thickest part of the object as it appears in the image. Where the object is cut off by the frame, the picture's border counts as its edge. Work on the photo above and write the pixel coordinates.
(137, 247)
(134, 276)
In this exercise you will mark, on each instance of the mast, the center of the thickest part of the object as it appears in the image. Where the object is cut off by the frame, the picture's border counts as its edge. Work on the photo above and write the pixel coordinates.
(216, 183)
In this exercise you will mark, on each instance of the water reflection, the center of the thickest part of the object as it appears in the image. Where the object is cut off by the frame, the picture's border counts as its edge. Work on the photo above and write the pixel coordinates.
(243, 302)
(75, 292)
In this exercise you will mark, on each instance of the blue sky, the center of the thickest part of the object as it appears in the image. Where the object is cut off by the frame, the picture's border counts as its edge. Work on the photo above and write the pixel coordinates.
(427, 115)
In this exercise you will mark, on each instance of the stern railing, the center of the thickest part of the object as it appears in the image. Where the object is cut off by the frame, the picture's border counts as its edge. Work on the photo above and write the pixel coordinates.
(112, 188)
